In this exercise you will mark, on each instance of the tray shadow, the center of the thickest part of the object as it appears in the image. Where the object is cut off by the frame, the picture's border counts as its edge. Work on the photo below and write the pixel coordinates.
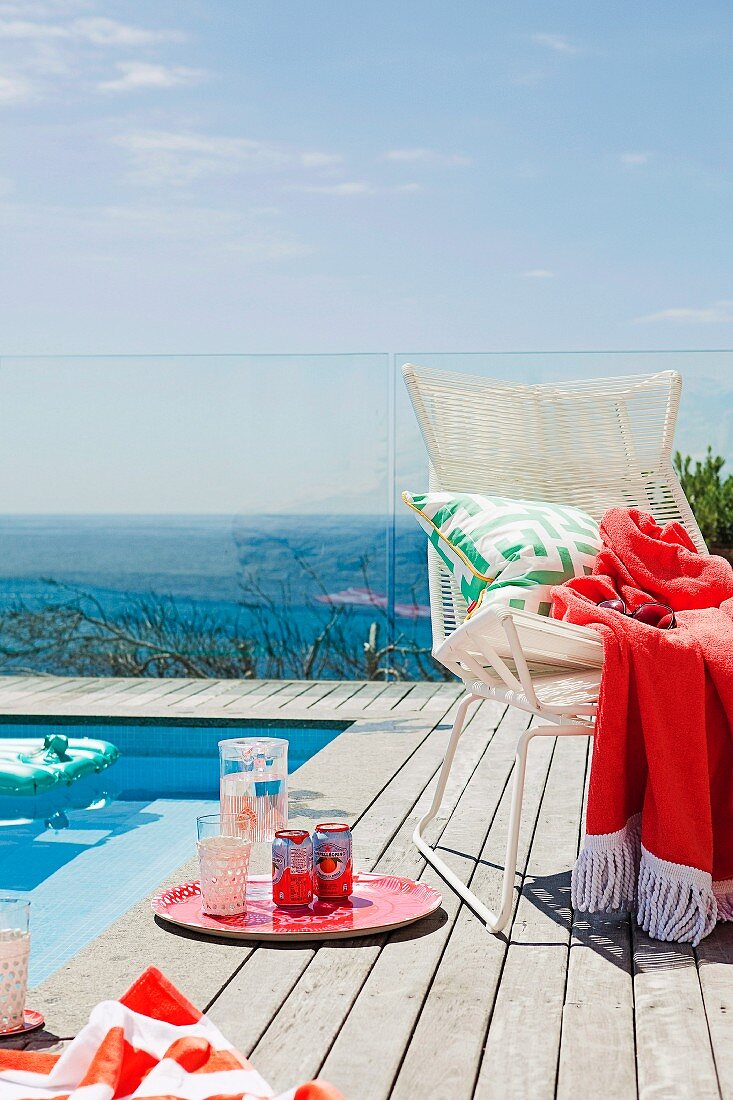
(419, 928)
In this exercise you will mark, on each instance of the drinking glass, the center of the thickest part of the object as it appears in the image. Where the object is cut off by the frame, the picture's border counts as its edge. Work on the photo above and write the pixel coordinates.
(15, 948)
(224, 847)
(254, 783)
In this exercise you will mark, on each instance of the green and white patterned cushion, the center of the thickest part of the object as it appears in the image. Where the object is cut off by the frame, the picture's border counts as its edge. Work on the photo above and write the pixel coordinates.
(512, 551)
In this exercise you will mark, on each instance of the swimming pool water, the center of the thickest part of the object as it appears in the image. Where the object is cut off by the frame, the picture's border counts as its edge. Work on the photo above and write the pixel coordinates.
(83, 876)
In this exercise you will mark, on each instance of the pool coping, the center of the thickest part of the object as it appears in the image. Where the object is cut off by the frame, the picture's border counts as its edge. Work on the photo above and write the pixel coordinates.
(169, 721)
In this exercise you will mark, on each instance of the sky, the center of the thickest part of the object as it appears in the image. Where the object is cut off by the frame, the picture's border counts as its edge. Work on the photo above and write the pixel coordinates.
(218, 176)
(195, 177)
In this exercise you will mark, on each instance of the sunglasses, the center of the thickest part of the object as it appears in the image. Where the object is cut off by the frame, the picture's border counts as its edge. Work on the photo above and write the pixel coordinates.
(651, 614)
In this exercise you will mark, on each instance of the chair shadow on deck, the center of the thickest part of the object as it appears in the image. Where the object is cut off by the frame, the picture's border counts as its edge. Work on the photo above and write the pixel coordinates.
(607, 936)
(615, 938)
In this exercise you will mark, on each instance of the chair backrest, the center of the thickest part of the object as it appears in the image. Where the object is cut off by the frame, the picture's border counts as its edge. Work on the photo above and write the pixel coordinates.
(593, 444)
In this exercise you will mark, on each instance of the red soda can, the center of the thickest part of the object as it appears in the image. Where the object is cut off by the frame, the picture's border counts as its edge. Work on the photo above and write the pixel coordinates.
(332, 860)
(292, 868)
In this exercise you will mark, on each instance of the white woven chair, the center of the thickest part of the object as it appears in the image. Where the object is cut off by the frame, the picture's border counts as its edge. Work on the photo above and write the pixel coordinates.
(592, 444)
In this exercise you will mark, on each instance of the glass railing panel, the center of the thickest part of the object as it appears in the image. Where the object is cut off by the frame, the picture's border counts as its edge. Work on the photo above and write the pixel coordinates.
(195, 516)
(241, 515)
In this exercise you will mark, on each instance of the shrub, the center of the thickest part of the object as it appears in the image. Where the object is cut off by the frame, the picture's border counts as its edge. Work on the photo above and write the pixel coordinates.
(710, 494)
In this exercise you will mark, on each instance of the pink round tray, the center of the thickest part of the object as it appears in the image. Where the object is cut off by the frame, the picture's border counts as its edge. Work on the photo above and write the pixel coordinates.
(379, 903)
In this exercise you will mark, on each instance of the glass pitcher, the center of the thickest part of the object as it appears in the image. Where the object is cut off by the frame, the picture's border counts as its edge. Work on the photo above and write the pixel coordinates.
(253, 783)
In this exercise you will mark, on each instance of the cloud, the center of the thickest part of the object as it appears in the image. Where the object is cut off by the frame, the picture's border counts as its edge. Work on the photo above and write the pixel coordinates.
(351, 187)
(95, 30)
(44, 9)
(179, 158)
(529, 78)
(559, 43)
(160, 156)
(193, 226)
(538, 273)
(56, 52)
(719, 313)
(320, 160)
(179, 232)
(633, 160)
(109, 32)
(425, 156)
(21, 29)
(15, 89)
(137, 75)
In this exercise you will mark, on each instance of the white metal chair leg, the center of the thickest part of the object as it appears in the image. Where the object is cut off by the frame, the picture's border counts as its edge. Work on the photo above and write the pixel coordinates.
(450, 752)
(495, 922)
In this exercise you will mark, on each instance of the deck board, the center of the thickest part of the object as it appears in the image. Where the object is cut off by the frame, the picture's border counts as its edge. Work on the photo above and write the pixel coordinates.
(166, 700)
(596, 1055)
(528, 1009)
(457, 1006)
(318, 695)
(391, 1000)
(558, 1006)
(334, 697)
(714, 957)
(343, 968)
(673, 1039)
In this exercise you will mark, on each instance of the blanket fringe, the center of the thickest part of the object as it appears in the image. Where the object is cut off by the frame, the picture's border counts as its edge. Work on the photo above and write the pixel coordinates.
(675, 902)
(615, 872)
(604, 875)
(724, 897)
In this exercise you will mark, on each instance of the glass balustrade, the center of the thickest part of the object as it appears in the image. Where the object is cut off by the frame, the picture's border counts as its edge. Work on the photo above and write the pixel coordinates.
(240, 515)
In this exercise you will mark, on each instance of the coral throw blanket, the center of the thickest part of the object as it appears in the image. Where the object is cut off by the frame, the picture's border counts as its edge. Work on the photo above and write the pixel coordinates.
(659, 826)
(151, 1043)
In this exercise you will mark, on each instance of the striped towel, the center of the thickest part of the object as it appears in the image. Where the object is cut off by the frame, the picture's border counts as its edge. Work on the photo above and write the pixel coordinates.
(151, 1043)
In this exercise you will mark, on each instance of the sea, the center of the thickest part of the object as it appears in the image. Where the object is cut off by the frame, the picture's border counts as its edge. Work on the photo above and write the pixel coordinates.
(243, 573)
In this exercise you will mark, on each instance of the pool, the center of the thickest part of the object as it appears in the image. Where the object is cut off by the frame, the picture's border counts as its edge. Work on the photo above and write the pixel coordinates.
(84, 868)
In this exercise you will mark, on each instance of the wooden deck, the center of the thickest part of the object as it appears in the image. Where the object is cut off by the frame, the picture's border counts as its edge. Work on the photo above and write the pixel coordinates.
(556, 1007)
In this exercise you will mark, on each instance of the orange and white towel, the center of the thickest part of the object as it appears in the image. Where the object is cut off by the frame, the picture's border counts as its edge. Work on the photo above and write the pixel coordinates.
(151, 1043)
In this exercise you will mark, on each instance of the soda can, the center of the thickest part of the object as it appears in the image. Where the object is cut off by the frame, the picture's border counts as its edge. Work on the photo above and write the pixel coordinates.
(332, 861)
(292, 868)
